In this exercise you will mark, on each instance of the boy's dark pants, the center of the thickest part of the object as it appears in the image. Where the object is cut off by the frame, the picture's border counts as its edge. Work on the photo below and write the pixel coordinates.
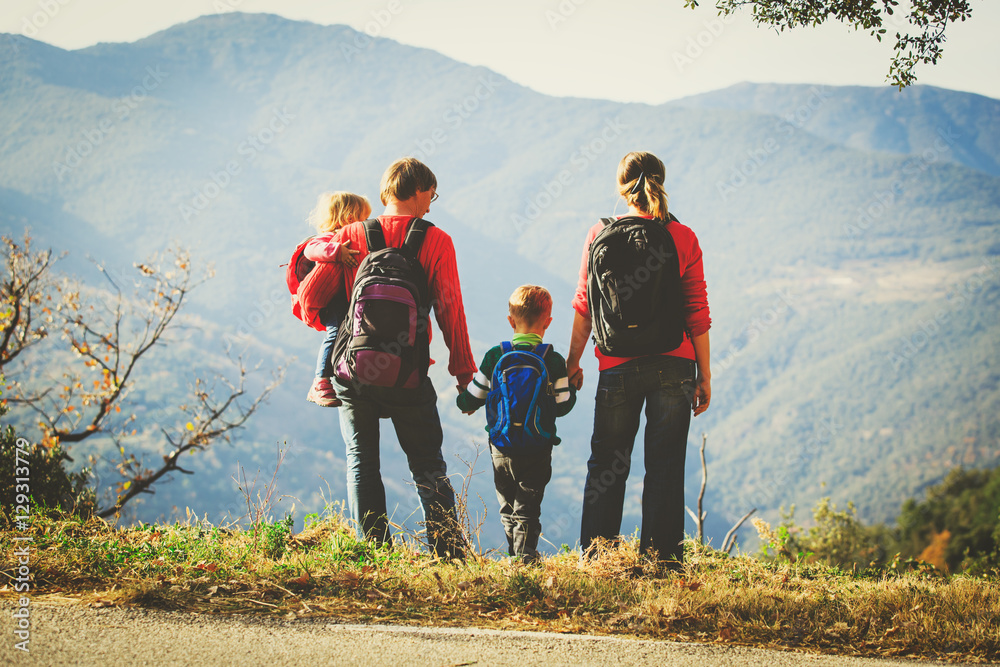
(520, 481)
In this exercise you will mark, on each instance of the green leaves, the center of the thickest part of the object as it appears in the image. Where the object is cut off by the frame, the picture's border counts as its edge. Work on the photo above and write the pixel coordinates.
(921, 40)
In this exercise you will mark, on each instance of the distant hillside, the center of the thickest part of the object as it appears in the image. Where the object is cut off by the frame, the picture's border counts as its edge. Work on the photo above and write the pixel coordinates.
(852, 257)
(934, 123)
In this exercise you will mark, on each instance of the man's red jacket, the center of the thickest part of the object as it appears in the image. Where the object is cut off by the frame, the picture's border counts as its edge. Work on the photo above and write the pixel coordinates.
(437, 256)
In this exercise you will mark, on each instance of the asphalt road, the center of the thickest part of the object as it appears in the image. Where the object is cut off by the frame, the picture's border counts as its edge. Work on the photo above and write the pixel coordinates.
(74, 634)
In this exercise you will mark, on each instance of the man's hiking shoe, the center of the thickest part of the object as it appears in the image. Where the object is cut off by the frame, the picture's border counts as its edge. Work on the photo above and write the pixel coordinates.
(322, 393)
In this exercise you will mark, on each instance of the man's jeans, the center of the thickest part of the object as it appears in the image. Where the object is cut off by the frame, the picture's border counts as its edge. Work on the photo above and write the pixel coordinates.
(414, 415)
(665, 384)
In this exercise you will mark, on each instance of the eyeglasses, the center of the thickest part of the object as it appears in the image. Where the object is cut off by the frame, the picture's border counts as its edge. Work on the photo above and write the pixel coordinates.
(434, 197)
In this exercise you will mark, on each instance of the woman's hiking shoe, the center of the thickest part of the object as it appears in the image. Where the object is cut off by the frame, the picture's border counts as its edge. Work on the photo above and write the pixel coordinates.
(322, 393)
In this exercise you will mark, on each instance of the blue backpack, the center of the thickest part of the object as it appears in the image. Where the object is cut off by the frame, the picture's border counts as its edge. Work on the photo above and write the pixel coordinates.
(520, 406)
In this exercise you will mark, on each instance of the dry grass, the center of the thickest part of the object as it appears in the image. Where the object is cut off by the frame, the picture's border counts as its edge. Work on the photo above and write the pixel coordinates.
(325, 571)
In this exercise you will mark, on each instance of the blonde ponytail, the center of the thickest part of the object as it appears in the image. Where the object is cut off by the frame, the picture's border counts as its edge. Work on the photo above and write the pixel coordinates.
(656, 197)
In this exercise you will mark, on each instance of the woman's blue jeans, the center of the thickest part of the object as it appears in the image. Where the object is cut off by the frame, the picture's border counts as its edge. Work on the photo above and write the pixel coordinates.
(414, 415)
(665, 385)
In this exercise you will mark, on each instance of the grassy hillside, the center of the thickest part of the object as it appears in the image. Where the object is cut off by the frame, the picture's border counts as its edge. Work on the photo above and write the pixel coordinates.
(324, 572)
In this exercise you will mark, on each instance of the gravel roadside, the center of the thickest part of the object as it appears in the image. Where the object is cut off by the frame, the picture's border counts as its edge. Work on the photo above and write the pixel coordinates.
(74, 634)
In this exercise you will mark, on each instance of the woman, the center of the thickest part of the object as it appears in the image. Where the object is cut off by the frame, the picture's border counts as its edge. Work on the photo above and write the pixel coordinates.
(670, 384)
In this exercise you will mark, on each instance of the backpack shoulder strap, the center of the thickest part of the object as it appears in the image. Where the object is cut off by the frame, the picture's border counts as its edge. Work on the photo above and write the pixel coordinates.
(541, 350)
(506, 347)
(607, 221)
(374, 236)
(415, 235)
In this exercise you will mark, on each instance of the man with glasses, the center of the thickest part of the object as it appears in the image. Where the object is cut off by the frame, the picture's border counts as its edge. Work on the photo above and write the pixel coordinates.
(407, 190)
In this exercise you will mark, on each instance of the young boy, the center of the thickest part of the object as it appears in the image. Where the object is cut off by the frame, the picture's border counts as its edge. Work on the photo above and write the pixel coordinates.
(520, 478)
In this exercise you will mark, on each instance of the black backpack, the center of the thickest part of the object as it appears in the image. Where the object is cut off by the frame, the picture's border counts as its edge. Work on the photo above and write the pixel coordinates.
(634, 288)
(384, 338)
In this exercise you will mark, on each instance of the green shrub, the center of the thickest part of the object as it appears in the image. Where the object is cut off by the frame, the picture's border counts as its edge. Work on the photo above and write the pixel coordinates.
(50, 487)
(838, 538)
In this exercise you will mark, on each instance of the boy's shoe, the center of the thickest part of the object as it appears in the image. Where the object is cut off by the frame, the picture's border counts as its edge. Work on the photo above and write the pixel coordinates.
(322, 393)
(532, 559)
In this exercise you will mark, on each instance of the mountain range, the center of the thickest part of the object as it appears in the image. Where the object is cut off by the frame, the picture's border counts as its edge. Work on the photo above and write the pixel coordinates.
(850, 238)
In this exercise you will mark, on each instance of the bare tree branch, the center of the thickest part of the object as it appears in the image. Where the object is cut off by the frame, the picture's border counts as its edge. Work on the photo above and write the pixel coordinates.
(27, 288)
(701, 494)
(699, 518)
(108, 334)
(730, 540)
(84, 405)
(211, 419)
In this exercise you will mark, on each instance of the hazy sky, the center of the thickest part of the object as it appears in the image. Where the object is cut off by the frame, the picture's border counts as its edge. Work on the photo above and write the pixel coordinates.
(625, 50)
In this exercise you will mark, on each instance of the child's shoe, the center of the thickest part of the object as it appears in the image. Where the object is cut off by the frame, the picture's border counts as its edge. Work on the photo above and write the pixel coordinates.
(322, 393)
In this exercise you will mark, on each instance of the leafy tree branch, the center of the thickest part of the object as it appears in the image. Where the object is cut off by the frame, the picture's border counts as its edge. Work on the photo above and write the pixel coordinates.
(920, 42)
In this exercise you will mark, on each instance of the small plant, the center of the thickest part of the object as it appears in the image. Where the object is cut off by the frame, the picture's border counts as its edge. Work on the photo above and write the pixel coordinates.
(276, 536)
(470, 526)
(775, 540)
(259, 508)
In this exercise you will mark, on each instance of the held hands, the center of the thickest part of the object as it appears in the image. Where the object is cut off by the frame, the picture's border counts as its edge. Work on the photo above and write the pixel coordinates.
(575, 374)
(461, 390)
(702, 394)
(347, 256)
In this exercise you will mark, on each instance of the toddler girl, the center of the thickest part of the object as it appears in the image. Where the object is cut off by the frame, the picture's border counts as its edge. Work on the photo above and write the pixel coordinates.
(332, 212)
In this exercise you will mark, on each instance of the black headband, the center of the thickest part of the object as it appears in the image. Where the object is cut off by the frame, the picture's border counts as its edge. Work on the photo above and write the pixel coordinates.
(640, 184)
